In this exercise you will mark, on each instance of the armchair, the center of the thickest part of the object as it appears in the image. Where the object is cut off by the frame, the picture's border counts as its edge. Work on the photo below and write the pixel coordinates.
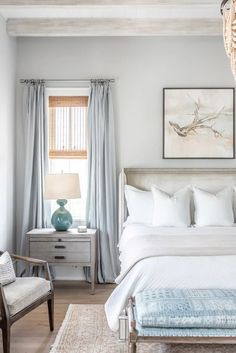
(22, 296)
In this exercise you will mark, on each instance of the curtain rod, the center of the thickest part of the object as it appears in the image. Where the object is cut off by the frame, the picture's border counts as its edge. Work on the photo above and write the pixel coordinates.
(68, 80)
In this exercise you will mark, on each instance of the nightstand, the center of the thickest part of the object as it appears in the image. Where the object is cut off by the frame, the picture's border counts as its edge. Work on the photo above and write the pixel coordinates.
(64, 248)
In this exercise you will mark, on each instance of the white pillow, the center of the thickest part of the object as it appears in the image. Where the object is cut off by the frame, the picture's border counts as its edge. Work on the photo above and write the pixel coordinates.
(140, 205)
(7, 273)
(171, 210)
(213, 209)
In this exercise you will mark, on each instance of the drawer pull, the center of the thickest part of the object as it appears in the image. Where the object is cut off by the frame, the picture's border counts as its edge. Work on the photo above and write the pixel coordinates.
(60, 247)
(59, 257)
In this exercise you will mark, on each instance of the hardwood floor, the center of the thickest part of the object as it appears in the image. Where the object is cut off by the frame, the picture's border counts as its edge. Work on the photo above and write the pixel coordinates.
(31, 334)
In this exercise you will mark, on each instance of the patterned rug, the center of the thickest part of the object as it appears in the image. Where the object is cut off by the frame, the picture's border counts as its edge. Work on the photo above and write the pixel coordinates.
(85, 330)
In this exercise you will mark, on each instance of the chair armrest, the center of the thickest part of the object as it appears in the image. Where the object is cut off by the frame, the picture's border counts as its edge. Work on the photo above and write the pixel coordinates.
(29, 260)
(35, 262)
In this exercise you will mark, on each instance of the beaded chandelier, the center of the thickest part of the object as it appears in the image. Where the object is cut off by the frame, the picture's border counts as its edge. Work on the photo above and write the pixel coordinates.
(228, 11)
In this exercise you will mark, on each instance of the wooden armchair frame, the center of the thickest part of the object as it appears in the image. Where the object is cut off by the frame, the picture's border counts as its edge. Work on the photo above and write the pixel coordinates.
(6, 320)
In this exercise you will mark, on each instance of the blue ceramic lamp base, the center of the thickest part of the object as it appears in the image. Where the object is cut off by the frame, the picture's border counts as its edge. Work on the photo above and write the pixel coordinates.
(61, 218)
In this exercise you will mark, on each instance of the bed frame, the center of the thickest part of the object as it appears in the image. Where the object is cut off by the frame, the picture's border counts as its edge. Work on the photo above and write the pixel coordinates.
(171, 180)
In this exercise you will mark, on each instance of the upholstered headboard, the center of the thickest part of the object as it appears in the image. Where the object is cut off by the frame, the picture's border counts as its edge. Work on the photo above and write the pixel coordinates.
(171, 180)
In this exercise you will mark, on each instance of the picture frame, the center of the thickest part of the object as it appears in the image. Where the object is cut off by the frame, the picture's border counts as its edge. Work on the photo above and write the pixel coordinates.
(199, 123)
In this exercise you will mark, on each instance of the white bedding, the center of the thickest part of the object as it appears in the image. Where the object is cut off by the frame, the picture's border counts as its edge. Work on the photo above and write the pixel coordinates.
(135, 230)
(142, 269)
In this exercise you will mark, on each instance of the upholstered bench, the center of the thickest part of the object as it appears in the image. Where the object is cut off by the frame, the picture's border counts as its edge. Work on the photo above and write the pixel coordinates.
(182, 316)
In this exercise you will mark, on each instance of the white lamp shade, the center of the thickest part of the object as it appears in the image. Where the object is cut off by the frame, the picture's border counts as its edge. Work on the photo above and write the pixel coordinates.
(62, 186)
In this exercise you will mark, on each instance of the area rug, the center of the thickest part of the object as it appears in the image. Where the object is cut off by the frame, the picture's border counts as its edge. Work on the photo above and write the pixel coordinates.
(85, 330)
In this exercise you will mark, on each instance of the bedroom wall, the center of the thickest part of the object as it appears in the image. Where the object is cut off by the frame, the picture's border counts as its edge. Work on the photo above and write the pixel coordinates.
(7, 120)
(142, 67)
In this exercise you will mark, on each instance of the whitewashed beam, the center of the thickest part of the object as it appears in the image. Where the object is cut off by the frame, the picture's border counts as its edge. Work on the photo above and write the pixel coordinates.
(161, 11)
(113, 27)
(105, 2)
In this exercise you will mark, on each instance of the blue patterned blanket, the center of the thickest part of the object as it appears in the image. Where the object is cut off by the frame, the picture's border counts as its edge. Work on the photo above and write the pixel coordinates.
(186, 308)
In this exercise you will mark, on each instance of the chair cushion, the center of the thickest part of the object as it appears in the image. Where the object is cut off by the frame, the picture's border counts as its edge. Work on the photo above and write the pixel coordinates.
(24, 291)
(187, 308)
(7, 272)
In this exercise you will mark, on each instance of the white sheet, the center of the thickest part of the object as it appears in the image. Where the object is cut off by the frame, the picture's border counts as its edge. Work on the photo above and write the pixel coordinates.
(171, 271)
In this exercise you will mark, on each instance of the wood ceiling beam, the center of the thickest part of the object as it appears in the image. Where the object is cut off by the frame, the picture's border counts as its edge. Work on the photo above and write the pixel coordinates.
(113, 27)
(32, 3)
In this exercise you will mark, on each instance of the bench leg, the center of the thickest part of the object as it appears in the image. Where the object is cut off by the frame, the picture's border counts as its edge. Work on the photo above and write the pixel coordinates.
(132, 347)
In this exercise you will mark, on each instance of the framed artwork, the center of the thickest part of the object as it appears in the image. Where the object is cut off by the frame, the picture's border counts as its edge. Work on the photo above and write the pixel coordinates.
(198, 123)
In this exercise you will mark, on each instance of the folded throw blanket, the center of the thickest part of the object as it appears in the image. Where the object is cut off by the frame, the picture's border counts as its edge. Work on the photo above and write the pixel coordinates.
(152, 245)
(186, 308)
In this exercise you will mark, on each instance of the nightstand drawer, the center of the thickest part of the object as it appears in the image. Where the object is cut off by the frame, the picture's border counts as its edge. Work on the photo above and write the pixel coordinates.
(72, 246)
(61, 251)
(61, 257)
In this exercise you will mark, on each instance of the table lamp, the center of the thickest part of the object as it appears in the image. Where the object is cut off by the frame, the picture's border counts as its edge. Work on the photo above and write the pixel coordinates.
(61, 187)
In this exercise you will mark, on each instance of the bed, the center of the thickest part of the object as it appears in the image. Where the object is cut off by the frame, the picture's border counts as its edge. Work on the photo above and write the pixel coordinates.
(167, 257)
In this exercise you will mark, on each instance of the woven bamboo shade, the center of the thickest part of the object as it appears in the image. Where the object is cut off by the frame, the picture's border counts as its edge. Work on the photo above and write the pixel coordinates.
(68, 101)
(68, 127)
(229, 33)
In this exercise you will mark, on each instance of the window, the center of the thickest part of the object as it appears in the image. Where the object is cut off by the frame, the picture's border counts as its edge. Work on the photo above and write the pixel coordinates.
(67, 131)
(67, 127)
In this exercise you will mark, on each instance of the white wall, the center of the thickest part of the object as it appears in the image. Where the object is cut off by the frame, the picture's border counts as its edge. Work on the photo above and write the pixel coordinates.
(7, 130)
(142, 67)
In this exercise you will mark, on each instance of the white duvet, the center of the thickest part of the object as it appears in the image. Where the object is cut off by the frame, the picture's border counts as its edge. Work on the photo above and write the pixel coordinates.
(154, 257)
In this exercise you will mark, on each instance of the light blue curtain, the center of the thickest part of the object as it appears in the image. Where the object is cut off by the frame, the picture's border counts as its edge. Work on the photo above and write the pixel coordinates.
(34, 209)
(102, 189)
